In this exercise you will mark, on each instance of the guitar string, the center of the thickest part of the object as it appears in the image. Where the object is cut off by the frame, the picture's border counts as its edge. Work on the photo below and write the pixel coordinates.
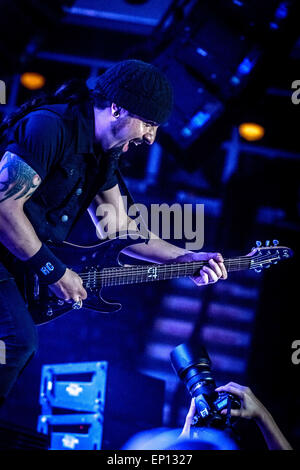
(230, 262)
(123, 274)
(144, 268)
(119, 271)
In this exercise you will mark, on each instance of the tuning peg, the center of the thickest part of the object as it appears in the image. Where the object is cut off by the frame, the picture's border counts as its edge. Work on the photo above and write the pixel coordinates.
(258, 270)
(267, 242)
(275, 242)
(258, 243)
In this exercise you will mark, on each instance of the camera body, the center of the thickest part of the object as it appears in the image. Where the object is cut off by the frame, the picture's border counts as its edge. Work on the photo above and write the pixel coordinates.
(193, 366)
(210, 403)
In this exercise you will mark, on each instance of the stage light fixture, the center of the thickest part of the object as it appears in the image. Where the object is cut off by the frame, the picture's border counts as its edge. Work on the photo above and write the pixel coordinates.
(32, 80)
(251, 131)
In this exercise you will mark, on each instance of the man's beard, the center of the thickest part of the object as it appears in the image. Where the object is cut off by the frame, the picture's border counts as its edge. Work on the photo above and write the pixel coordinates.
(117, 126)
(116, 129)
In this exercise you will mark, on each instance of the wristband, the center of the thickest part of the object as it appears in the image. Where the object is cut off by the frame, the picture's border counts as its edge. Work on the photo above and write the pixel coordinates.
(45, 264)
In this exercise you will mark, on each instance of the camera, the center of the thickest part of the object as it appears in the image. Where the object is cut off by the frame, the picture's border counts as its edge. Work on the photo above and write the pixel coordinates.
(193, 366)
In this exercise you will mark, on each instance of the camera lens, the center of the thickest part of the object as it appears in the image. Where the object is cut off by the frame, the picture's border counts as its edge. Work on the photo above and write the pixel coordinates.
(192, 365)
(186, 355)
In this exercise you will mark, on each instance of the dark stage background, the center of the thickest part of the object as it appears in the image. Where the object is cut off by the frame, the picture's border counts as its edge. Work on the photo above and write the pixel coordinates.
(231, 62)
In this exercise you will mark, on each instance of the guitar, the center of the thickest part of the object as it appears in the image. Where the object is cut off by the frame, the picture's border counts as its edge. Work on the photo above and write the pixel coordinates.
(99, 266)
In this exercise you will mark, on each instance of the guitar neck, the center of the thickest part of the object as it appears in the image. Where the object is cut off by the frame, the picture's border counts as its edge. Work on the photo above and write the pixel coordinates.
(155, 272)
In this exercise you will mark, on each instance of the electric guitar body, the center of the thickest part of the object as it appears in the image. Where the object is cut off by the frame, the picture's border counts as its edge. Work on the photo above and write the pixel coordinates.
(88, 262)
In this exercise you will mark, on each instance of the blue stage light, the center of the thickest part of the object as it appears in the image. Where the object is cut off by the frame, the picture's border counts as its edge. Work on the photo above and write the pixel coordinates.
(282, 11)
(199, 119)
(246, 66)
(235, 80)
(281, 14)
(186, 132)
(196, 122)
(201, 51)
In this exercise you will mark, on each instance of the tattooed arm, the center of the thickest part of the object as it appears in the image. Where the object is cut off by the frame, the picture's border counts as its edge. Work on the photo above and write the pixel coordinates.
(18, 181)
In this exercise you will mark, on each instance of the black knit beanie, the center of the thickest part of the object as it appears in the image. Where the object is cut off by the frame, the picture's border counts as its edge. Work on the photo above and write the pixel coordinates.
(140, 88)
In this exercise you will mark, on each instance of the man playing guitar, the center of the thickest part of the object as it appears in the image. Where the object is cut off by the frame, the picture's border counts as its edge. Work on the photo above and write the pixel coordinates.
(60, 159)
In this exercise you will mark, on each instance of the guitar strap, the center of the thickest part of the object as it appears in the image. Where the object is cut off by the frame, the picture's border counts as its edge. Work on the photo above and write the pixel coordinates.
(132, 203)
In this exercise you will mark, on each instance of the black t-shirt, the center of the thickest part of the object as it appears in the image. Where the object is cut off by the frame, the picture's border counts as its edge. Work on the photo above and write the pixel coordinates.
(57, 141)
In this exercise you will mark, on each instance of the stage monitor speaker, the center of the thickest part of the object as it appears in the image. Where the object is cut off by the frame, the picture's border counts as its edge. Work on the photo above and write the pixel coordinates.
(96, 405)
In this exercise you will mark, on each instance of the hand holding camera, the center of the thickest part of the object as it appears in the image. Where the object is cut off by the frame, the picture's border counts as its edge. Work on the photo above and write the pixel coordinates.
(193, 366)
(251, 407)
(214, 407)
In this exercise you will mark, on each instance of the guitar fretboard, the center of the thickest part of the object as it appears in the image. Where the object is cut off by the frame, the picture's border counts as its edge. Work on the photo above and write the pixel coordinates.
(154, 272)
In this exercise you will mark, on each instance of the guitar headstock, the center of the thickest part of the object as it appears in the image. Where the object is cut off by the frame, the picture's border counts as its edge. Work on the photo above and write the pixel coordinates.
(264, 256)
